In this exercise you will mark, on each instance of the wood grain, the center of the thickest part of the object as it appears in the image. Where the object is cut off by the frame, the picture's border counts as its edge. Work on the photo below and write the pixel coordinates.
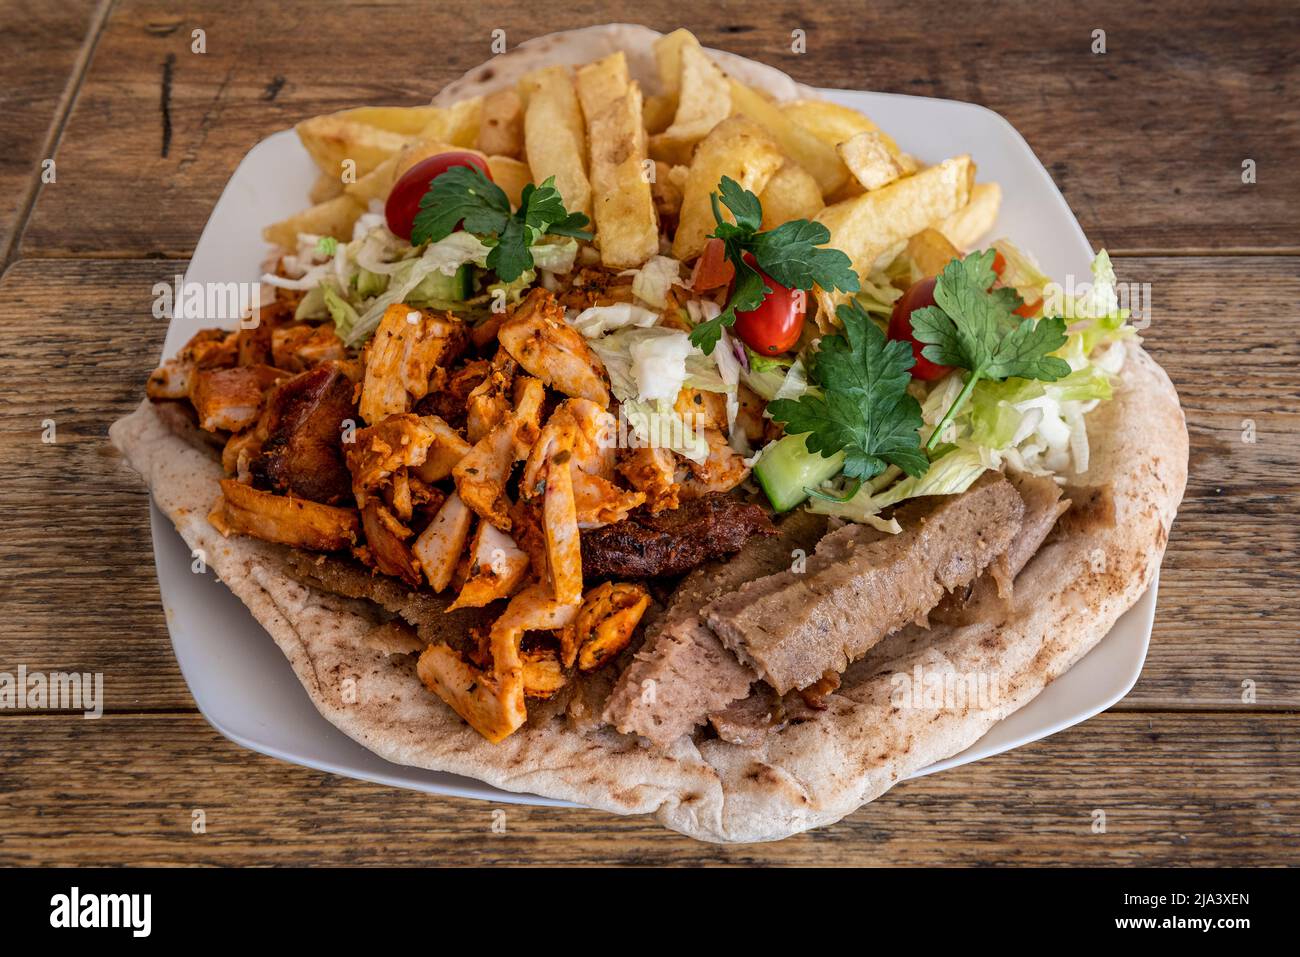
(1174, 789)
(34, 92)
(1147, 140)
(80, 590)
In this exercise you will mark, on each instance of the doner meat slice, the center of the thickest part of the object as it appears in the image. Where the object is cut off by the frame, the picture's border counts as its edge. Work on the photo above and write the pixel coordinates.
(862, 584)
(682, 672)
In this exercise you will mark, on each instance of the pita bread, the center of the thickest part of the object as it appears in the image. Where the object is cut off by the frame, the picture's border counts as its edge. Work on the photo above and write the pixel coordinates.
(803, 776)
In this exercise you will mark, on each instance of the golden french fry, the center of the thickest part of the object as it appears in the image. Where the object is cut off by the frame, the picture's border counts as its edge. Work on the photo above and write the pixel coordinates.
(379, 181)
(333, 140)
(668, 59)
(966, 226)
(703, 101)
(813, 154)
(624, 213)
(830, 122)
(511, 175)
(326, 187)
(791, 193)
(737, 147)
(930, 251)
(871, 225)
(870, 159)
(501, 127)
(657, 112)
(555, 140)
(457, 124)
(334, 217)
(407, 120)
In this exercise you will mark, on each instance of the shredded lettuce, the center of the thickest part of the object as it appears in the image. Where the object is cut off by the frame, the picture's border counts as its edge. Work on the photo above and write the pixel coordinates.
(950, 474)
(341, 311)
(658, 364)
(599, 320)
(652, 281)
(657, 425)
(1022, 272)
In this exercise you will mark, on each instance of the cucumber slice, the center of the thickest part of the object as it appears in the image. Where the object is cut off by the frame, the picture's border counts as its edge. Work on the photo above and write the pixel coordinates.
(437, 287)
(787, 469)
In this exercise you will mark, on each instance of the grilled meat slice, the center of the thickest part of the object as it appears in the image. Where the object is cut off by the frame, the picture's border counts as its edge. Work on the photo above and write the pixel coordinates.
(689, 671)
(648, 544)
(862, 584)
(231, 399)
(303, 452)
(988, 594)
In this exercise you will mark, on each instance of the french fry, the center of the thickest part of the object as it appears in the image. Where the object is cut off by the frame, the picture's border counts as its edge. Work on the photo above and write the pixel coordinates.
(334, 217)
(501, 127)
(930, 251)
(511, 175)
(326, 187)
(872, 224)
(407, 120)
(791, 193)
(668, 59)
(968, 225)
(830, 122)
(737, 147)
(870, 159)
(333, 139)
(626, 227)
(657, 113)
(457, 124)
(813, 154)
(379, 182)
(555, 141)
(703, 101)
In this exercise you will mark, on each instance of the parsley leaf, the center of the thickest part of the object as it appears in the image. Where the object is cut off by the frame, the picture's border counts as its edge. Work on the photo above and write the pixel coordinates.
(975, 328)
(864, 408)
(463, 196)
(793, 254)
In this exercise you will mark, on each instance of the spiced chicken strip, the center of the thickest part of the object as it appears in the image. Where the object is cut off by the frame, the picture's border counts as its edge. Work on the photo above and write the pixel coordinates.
(862, 584)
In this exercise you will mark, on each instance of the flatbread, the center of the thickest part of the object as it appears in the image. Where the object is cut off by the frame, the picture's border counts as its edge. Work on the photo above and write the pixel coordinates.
(803, 776)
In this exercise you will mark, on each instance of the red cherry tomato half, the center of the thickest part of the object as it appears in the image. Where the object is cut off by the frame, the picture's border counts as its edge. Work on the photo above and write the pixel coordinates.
(775, 326)
(713, 269)
(404, 200)
(918, 296)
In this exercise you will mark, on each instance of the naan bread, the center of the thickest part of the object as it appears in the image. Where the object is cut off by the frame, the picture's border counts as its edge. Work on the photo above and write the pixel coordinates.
(805, 775)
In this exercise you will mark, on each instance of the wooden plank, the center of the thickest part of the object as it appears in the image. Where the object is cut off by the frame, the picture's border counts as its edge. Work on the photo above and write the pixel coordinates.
(79, 589)
(1229, 602)
(1174, 789)
(1146, 140)
(41, 56)
(73, 520)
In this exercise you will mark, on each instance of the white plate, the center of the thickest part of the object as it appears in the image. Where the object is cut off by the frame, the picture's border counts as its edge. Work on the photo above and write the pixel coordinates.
(247, 690)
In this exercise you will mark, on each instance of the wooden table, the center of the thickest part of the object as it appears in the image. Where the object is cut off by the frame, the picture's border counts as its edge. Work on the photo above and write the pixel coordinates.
(1146, 140)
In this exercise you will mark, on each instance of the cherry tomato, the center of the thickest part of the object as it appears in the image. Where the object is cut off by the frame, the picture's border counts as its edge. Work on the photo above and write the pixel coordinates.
(919, 295)
(775, 326)
(404, 200)
(713, 269)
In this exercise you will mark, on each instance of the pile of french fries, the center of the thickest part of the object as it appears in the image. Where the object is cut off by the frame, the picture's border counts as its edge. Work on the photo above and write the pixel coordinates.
(636, 163)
